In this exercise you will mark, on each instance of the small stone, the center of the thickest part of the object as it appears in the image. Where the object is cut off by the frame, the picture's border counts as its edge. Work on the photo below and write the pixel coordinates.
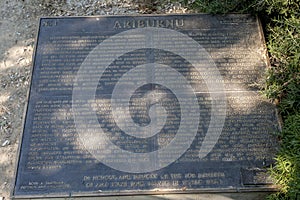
(5, 143)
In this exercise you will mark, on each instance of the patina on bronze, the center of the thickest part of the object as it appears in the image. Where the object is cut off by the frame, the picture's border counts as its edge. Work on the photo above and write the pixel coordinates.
(53, 160)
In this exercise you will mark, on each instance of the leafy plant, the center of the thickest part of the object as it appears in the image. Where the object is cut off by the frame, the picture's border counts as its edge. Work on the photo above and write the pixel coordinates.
(287, 169)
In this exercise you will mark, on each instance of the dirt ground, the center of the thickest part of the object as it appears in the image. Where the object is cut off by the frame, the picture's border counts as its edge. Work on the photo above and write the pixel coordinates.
(18, 28)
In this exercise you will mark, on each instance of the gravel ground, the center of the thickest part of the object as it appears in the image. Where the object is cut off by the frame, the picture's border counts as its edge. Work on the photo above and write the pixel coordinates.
(18, 27)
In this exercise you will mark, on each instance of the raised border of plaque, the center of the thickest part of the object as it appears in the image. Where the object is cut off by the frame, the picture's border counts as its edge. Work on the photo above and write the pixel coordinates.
(58, 156)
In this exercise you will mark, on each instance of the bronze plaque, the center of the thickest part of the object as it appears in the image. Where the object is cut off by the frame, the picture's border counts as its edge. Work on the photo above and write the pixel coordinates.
(123, 105)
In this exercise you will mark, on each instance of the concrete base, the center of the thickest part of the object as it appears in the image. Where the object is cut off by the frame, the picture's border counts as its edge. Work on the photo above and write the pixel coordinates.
(204, 196)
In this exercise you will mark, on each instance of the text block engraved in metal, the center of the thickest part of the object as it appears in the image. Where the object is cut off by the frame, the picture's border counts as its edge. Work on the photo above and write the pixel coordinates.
(146, 104)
